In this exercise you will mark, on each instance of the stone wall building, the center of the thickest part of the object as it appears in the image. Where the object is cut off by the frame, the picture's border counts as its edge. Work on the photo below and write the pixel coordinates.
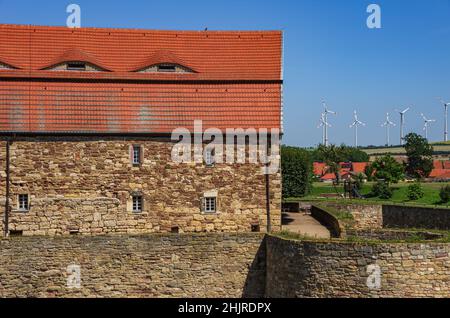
(87, 116)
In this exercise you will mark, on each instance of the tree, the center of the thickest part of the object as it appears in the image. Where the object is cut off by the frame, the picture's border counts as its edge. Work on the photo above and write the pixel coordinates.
(369, 170)
(352, 154)
(296, 166)
(420, 156)
(388, 169)
(332, 156)
(344, 154)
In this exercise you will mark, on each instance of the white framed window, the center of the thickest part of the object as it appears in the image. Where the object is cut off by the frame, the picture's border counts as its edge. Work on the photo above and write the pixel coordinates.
(210, 204)
(210, 159)
(136, 154)
(137, 203)
(23, 203)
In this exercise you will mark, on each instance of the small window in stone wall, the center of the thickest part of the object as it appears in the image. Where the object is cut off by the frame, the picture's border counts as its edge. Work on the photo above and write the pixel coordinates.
(137, 203)
(136, 155)
(210, 204)
(23, 203)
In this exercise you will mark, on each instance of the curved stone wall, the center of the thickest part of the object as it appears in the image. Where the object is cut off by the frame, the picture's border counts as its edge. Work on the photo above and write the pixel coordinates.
(334, 269)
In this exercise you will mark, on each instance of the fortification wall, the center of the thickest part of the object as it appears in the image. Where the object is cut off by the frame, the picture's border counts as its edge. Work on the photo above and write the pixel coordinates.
(198, 265)
(313, 269)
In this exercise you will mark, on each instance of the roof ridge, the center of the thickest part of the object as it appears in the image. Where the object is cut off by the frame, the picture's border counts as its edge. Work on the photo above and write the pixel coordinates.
(61, 27)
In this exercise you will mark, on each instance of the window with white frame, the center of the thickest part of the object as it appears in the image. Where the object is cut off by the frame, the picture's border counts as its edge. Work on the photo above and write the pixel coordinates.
(23, 202)
(137, 203)
(210, 204)
(210, 157)
(136, 155)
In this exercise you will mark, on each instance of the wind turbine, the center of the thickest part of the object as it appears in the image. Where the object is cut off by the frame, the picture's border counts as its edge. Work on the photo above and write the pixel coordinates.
(446, 105)
(426, 123)
(355, 125)
(326, 125)
(388, 123)
(402, 123)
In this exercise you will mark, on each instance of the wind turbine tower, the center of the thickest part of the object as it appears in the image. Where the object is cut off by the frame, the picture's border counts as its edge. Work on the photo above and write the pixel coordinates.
(446, 105)
(426, 123)
(402, 123)
(388, 123)
(355, 124)
(326, 124)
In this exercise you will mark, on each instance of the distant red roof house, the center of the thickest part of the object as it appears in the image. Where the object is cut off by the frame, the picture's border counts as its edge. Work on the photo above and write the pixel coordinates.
(328, 177)
(438, 164)
(437, 172)
(319, 168)
(444, 176)
(447, 164)
(359, 167)
(94, 80)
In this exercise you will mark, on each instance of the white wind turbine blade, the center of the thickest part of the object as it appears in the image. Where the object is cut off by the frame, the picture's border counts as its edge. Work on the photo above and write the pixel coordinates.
(328, 111)
(403, 112)
(443, 102)
(423, 116)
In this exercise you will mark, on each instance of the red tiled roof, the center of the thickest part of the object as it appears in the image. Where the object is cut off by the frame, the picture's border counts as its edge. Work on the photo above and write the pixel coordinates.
(215, 55)
(359, 167)
(328, 176)
(437, 172)
(444, 176)
(446, 164)
(438, 164)
(236, 81)
(319, 168)
(134, 108)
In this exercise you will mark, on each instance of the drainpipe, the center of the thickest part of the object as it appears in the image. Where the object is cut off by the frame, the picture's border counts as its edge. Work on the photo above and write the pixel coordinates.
(7, 189)
(269, 226)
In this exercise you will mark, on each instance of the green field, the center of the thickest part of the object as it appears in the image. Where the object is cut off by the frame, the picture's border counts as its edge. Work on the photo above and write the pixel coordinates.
(431, 191)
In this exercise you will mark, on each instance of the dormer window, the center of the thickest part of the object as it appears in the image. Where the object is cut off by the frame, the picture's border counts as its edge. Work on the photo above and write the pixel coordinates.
(76, 66)
(163, 61)
(166, 68)
(75, 60)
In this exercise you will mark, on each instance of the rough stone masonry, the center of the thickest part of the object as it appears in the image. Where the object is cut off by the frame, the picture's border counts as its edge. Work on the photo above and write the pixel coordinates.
(84, 185)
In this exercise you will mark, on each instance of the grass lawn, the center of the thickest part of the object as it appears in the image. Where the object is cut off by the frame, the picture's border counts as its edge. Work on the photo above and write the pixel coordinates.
(431, 191)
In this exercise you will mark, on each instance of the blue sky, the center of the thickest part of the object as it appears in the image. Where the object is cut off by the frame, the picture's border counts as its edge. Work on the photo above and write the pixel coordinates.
(329, 53)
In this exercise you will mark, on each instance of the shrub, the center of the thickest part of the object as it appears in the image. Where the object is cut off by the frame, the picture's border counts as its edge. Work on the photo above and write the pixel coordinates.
(415, 191)
(296, 165)
(359, 181)
(369, 170)
(382, 190)
(388, 169)
(444, 194)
